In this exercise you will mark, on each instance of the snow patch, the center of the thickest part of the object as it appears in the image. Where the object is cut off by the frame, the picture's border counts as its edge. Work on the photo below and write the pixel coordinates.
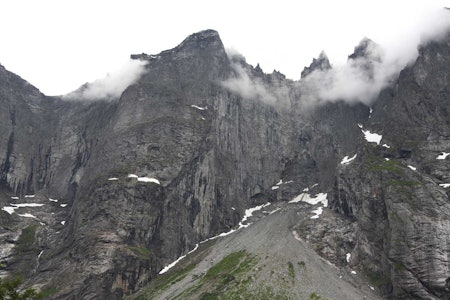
(317, 212)
(353, 272)
(15, 198)
(193, 250)
(63, 222)
(296, 236)
(26, 204)
(275, 187)
(143, 179)
(171, 265)
(63, 205)
(280, 183)
(444, 185)
(443, 155)
(27, 215)
(386, 146)
(412, 168)
(37, 261)
(346, 160)
(29, 196)
(14, 206)
(347, 257)
(148, 179)
(249, 212)
(372, 137)
(319, 198)
(113, 179)
(52, 200)
(199, 107)
(223, 234)
(9, 209)
(274, 211)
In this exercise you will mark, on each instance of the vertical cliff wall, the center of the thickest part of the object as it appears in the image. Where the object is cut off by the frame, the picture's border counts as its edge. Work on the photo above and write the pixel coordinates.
(179, 156)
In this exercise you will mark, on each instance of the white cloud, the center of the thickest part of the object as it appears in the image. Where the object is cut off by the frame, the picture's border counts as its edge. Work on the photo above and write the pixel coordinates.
(53, 50)
(361, 79)
(112, 85)
(251, 87)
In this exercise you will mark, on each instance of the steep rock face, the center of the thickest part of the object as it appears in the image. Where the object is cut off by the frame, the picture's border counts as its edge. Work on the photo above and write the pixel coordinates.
(213, 152)
(177, 124)
(394, 194)
(19, 122)
(204, 151)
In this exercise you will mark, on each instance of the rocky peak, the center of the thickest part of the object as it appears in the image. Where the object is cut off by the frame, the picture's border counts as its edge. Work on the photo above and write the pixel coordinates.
(321, 63)
(201, 38)
(208, 40)
(179, 158)
(366, 49)
(201, 57)
(204, 40)
(365, 56)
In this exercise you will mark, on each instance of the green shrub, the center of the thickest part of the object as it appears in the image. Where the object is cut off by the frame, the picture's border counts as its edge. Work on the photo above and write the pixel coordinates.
(315, 296)
(291, 270)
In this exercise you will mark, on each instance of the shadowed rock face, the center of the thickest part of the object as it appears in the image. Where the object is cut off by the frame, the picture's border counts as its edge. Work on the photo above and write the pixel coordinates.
(215, 153)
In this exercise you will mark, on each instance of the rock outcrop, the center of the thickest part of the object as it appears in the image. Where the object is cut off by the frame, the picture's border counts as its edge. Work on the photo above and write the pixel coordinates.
(318, 64)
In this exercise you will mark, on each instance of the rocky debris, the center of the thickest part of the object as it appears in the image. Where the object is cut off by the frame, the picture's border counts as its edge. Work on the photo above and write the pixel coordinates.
(284, 267)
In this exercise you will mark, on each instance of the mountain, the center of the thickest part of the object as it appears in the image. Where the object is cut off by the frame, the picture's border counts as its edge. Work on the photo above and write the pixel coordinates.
(321, 63)
(98, 197)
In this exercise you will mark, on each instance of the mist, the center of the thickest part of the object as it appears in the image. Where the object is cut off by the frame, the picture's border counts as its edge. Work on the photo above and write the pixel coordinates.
(112, 85)
(249, 86)
(362, 77)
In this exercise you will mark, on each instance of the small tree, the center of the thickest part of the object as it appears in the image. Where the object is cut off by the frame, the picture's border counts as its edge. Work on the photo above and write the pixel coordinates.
(9, 290)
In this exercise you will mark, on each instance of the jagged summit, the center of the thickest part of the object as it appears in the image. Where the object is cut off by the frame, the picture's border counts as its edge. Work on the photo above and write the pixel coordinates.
(203, 40)
(366, 49)
(366, 55)
(96, 199)
(321, 63)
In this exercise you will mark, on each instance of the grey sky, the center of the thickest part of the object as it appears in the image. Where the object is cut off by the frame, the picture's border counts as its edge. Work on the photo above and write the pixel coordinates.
(59, 45)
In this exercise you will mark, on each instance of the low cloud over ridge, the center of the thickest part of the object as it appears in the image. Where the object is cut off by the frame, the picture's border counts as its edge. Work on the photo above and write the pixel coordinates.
(365, 75)
(112, 85)
(249, 86)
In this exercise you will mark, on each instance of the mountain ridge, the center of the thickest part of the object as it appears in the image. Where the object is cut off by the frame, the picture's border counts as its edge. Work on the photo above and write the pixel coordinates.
(205, 151)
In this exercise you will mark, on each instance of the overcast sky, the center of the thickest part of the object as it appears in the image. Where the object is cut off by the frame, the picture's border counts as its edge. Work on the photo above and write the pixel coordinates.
(59, 45)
